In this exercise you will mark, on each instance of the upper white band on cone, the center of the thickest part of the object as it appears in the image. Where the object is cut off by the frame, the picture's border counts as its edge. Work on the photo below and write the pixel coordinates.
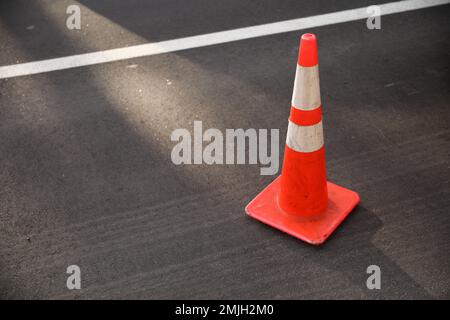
(305, 138)
(306, 93)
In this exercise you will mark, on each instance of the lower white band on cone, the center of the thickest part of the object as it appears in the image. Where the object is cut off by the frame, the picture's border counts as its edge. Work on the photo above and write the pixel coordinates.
(306, 93)
(305, 138)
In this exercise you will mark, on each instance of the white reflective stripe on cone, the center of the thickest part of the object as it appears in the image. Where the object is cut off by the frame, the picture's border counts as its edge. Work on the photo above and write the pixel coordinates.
(305, 138)
(306, 93)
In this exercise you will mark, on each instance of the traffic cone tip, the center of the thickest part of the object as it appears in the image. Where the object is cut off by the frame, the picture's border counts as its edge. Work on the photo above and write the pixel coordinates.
(307, 56)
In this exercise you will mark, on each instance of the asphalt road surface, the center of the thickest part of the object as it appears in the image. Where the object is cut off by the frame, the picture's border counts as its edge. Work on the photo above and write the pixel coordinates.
(87, 178)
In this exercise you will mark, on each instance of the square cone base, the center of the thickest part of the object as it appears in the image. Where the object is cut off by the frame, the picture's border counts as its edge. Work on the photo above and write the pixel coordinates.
(315, 231)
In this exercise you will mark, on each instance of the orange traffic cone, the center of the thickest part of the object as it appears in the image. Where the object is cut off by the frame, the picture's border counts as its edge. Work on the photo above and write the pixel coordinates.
(301, 202)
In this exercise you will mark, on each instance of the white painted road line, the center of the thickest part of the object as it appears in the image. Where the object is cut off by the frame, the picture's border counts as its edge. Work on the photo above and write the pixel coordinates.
(209, 39)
